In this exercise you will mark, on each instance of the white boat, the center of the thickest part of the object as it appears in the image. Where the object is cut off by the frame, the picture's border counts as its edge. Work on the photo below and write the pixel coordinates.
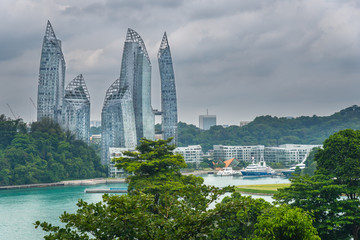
(227, 171)
(301, 165)
(258, 169)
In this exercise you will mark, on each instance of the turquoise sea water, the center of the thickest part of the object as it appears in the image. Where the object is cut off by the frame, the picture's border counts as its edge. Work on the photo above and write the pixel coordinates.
(19, 209)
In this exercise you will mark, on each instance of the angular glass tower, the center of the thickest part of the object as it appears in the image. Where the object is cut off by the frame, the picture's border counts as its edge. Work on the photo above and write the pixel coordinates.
(76, 109)
(51, 78)
(168, 91)
(135, 74)
(117, 120)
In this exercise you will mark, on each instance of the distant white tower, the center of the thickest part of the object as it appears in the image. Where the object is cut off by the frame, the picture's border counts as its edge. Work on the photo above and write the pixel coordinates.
(207, 121)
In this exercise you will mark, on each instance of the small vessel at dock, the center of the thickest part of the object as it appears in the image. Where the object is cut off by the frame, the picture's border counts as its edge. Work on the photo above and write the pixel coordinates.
(288, 173)
(228, 171)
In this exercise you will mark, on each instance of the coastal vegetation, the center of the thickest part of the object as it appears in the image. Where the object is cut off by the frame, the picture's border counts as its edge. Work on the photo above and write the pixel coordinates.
(43, 153)
(272, 131)
(164, 204)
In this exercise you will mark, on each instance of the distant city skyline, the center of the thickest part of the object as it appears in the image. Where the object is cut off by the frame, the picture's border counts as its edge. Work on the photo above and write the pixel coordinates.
(239, 59)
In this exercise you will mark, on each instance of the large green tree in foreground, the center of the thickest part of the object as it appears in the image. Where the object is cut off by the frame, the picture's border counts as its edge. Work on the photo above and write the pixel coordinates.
(163, 204)
(332, 194)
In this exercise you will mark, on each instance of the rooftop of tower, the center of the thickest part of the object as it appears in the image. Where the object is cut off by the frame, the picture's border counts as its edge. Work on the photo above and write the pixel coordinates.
(49, 33)
(133, 36)
(164, 44)
(113, 91)
(77, 89)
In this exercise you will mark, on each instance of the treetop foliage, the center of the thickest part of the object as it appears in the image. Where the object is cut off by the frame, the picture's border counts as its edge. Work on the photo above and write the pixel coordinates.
(285, 222)
(332, 194)
(151, 157)
(340, 156)
(155, 168)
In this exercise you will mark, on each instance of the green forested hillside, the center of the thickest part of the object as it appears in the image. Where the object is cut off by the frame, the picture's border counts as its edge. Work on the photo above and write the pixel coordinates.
(272, 131)
(43, 154)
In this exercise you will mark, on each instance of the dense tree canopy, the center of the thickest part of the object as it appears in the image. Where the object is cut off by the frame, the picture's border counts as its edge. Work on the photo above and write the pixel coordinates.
(272, 131)
(284, 222)
(44, 154)
(332, 194)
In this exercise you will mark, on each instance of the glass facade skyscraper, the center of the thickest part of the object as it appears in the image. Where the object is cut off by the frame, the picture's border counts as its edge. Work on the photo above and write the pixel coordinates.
(135, 74)
(117, 120)
(51, 78)
(76, 109)
(127, 115)
(168, 91)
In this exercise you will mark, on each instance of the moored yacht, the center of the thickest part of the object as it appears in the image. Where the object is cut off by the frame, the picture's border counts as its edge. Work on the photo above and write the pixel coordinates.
(258, 169)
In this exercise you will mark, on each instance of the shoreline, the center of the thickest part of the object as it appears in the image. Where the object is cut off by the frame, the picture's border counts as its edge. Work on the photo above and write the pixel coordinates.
(95, 181)
(81, 182)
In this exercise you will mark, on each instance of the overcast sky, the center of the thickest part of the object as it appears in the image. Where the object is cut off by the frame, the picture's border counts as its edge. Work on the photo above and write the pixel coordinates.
(238, 59)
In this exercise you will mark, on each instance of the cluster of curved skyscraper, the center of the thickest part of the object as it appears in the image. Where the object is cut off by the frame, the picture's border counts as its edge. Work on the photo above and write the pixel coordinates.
(69, 107)
(127, 114)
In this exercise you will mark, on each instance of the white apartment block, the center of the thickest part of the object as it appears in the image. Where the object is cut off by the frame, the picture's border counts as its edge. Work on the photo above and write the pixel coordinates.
(113, 171)
(287, 153)
(241, 153)
(191, 154)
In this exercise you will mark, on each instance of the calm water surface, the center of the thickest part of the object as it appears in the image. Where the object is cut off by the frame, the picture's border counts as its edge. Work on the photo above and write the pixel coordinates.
(19, 209)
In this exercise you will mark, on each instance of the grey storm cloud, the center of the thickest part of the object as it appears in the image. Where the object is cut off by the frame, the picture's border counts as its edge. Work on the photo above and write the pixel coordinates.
(239, 59)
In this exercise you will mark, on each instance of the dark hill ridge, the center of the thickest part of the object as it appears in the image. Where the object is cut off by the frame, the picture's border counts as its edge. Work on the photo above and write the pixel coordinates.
(272, 131)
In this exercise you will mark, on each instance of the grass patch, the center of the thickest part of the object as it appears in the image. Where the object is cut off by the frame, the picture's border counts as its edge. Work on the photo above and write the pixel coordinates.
(261, 188)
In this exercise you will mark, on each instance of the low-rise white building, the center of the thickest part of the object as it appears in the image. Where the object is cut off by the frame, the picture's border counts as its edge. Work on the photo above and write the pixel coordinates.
(288, 153)
(113, 171)
(192, 154)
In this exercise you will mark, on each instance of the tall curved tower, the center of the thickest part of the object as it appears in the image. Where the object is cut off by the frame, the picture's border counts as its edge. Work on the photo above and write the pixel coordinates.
(76, 109)
(51, 78)
(168, 91)
(117, 120)
(135, 74)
